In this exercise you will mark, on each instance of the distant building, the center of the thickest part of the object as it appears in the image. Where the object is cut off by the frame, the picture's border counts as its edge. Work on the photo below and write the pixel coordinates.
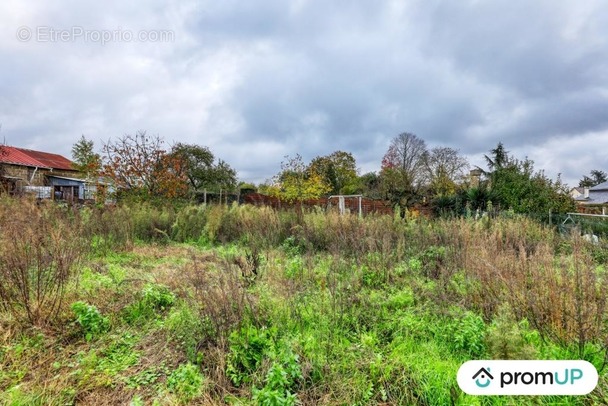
(475, 177)
(594, 199)
(576, 192)
(47, 175)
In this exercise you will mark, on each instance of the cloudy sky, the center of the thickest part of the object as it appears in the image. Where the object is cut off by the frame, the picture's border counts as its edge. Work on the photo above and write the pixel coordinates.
(256, 81)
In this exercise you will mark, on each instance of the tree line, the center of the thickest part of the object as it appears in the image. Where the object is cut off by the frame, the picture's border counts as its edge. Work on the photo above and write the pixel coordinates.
(141, 166)
(411, 173)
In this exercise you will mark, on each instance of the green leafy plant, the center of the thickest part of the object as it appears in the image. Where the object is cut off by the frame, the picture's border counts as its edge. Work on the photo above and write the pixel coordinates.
(186, 328)
(137, 401)
(275, 393)
(186, 382)
(506, 339)
(157, 297)
(247, 349)
(119, 355)
(292, 247)
(280, 380)
(468, 337)
(153, 298)
(462, 333)
(92, 322)
(294, 267)
(148, 376)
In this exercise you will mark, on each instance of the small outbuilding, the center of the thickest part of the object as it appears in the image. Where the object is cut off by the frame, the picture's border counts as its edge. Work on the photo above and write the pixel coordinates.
(44, 174)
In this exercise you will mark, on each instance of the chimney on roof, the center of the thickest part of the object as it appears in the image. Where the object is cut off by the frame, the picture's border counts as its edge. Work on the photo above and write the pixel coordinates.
(475, 177)
(586, 192)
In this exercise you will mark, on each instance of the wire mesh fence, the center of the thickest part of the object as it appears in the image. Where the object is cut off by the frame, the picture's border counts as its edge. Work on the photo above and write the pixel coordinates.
(568, 223)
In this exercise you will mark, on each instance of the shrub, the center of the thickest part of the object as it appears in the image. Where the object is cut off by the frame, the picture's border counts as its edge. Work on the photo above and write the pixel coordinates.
(292, 247)
(189, 223)
(561, 296)
(505, 337)
(222, 297)
(214, 222)
(432, 260)
(40, 247)
(262, 227)
(151, 223)
(108, 228)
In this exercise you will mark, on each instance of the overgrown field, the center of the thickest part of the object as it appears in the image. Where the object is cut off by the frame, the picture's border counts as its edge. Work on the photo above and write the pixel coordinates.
(245, 305)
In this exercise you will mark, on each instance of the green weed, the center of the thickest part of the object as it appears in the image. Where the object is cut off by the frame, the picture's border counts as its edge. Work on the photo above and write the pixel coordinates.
(186, 328)
(147, 377)
(153, 298)
(119, 355)
(92, 322)
(247, 349)
(186, 382)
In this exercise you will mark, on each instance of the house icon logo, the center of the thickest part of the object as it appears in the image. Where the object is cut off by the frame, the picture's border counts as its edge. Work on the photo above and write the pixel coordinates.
(483, 378)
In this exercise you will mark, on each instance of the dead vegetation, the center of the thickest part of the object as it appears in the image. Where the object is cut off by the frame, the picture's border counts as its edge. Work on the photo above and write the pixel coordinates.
(378, 310)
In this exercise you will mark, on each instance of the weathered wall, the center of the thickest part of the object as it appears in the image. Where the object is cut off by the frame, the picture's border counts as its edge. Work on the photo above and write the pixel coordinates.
(34, 177)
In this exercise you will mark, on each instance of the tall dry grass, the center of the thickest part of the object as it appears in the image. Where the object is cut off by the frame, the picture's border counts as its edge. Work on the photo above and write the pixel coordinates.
(562, 295)
(221, 295)
(556, 283)
(40, 247)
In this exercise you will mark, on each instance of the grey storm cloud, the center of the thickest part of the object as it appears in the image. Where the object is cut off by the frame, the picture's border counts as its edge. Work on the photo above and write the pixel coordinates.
(255, 81)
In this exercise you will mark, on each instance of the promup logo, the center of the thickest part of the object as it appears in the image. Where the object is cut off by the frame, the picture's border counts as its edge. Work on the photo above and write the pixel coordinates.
(527, 377)
(485, 376)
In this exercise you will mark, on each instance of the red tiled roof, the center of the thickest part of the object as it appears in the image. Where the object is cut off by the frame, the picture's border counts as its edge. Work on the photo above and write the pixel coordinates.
(28, 157)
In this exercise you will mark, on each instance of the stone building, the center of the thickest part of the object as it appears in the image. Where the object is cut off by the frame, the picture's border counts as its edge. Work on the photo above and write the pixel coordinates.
(47, 175)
